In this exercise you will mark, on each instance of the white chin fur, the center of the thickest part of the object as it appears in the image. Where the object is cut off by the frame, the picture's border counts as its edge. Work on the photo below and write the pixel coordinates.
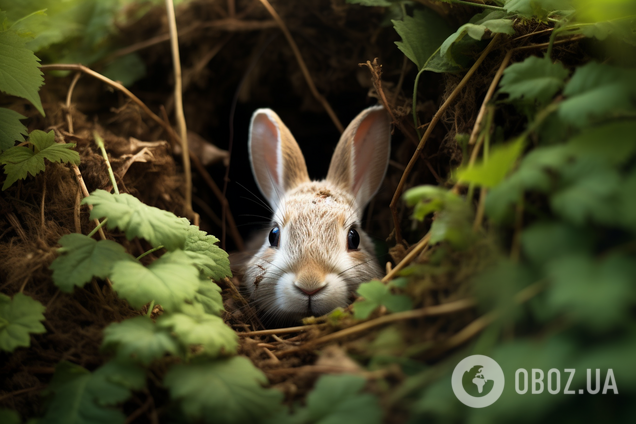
(291, 301)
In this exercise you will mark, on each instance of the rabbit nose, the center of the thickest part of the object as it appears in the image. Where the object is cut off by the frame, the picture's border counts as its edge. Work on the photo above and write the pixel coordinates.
(310, 291)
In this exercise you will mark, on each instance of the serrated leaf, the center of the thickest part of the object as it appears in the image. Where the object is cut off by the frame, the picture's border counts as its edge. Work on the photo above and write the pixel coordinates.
(337, 399)
(223, 391)
(78, 396)
(19, 161)
(82, 258)
(534, 79)
(598, 90)
(597, 293)
(139, 339)
(205, 330)
(20, 73)
(375, 294)
(489, 173)
(209, 296)
(209, 258)
(11, 129)
(18, 318)
(169, 281)
(421, 35)
(136, 219)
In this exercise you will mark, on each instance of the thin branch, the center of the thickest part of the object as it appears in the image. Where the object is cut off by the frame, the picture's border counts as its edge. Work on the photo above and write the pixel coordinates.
(443, 309)
(408, 258)
(429, 129)
(489, 93)
(302, 65)
(178, 99)
(273, 331)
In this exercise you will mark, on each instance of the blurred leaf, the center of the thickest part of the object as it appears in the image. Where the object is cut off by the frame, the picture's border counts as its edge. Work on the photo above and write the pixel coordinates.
(549, 240)
(78, 396)
(589, 193)
(20, 74)
(614, 142)
(126, 69)
(375, 294)
(208, 331)
(337, 399)
(489, 173)
(11, 129)
(82, 258)
(18, 318)
(596, 293)
(594, 11)
(169, 281)
(8, 416)
(135, 219)
(598, 90)
(209, 258)
(421, 35)
(19, 161)
(139, 339)
(538, 9)
(222, 391)
(533, 79)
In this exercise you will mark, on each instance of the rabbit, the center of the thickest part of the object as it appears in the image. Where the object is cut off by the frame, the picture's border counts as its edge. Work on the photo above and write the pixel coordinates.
(315, 255)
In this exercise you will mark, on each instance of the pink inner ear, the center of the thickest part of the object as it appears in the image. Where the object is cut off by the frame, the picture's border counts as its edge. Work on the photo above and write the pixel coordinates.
(267, 132)
(362, 152)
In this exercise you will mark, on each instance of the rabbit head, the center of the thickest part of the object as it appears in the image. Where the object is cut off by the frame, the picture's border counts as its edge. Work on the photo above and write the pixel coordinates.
(315, 254)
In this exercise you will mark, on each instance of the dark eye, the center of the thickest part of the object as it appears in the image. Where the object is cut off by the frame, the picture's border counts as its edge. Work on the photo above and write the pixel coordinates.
(353, 240)
(274, 236)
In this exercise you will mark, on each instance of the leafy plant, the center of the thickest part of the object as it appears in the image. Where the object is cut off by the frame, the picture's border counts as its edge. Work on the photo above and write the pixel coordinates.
(19, 317)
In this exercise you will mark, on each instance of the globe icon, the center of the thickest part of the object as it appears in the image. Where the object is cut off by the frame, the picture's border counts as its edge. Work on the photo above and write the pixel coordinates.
(475, 383)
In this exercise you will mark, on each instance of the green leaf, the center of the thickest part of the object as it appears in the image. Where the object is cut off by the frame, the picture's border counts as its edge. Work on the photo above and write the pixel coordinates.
(169, 281)
(78, 396)
(598, 90)
(139, 339)
(546, 241)
(20, 73)
(589, 193)
(533, 174)
(82, 258)
(596, 293)
(135, 219)
(614, 142)
(126, 69)
(375, 294)
(8, 416)
(427, 199)
(209, 296)
(421, 35)
(534, 79)
(222, 391)
(337, 399)
(19, 161)
(209, 258)
(537, 9)
(489, 173)
(208, 331)
(11, 129)
(18, 318)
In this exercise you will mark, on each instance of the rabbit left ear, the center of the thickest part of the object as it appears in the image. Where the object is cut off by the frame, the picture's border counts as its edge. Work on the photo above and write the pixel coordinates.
(362, 155)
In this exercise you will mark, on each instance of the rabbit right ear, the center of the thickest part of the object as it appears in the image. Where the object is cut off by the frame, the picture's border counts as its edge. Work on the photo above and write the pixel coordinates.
(277, 162)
